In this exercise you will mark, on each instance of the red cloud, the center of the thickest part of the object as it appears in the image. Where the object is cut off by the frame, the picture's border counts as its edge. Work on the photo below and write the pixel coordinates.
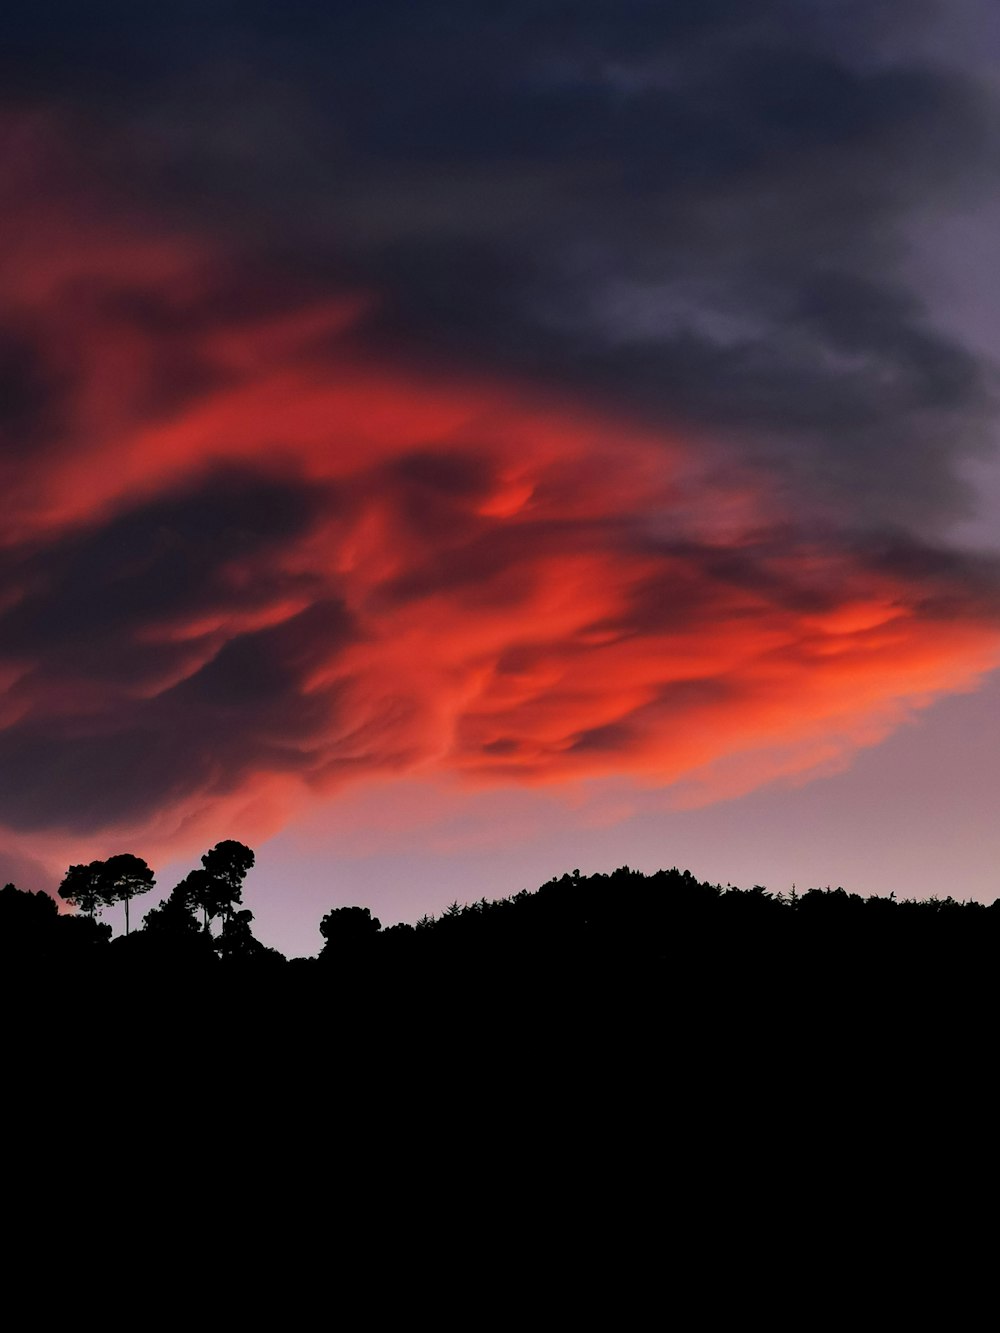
(246, 559)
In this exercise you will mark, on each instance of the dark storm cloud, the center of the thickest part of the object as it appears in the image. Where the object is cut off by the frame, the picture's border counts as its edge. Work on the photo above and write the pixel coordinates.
(695, 210)
(139, 669)
(131, 758)
(166, 559)
(31, 396)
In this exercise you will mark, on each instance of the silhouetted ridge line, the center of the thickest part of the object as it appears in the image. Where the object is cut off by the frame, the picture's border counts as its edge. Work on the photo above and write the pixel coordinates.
(625, 919)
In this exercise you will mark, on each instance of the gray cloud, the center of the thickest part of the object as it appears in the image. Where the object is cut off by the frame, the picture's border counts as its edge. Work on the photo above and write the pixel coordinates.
(695, 210)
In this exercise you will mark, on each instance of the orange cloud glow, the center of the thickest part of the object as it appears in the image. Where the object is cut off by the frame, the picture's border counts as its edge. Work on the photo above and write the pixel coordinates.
(248, 559)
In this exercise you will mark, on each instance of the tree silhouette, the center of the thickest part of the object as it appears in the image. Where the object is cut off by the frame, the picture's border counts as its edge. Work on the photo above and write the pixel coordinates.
(237, 939)
(101, 883)
(196, 890)
(27, 922)
(83, 886)
(122, 878)
(174, 916)
(218, 887)
(348, 930)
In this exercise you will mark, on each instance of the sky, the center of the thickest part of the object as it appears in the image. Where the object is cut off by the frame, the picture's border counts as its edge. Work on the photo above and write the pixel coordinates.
(447, 445)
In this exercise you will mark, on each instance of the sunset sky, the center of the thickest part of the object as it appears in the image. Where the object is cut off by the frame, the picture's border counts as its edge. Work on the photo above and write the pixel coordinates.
(448, 444)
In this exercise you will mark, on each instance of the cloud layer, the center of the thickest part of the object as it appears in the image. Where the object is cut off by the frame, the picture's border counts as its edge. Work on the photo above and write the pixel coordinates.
(499, 396)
